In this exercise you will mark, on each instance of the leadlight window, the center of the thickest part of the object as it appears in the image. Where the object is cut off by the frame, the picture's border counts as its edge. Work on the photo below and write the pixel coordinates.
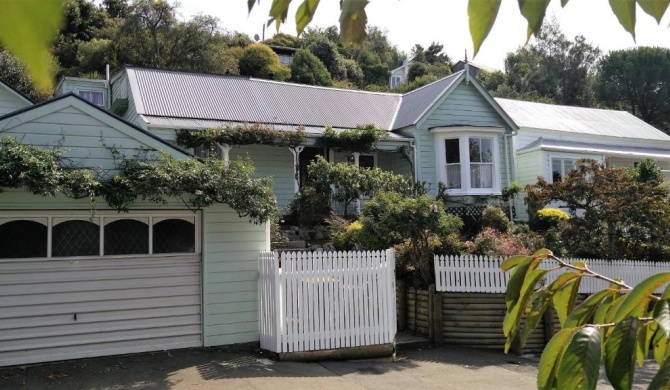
(126, 237)
(174, 236)
(23, 238)
(75, 238)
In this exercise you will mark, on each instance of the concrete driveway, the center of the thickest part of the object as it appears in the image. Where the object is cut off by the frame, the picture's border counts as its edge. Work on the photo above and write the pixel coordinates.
(446, 367)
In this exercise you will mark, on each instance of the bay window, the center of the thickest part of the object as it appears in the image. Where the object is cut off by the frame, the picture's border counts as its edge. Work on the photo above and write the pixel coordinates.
(468, 163)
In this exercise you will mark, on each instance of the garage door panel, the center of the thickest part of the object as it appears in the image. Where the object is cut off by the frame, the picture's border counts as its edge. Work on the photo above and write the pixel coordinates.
(101, 317)
(76, 328)
(99, 296)
(104, 349)
(122, 305)
(98, 338)
(98, 285)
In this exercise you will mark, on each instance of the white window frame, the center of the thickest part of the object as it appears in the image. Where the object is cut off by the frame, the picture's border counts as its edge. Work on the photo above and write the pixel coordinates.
(102, 218)
(104, 103)
(463, 134)
(549, 173)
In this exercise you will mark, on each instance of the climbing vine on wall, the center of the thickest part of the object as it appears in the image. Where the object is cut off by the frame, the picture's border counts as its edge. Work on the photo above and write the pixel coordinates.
(197, 183)
(362, 139)
(243, 134)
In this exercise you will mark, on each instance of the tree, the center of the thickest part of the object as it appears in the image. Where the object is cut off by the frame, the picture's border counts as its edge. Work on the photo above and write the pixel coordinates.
(416, 69)
(638, 80)
(616, 213)
(616, 325)
(14, 73)
(326, 52)
(82, 19)
(283, 40)
(307, 69)
(115, 8)
(553, 67)
(373, 69)
(260, 61)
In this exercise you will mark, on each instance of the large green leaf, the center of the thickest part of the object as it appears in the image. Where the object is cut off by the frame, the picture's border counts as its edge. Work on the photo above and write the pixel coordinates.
(540, 301)
(305, 14)
(564, 299)
(655, 8)
(564, 3)
(662, 315)
(512, 262)
(638, 299)
(482, 14)
(605, 306)
(515, 313)
(551, 357)
(251, 3)
(516, 281)
(625, 12)
(533, 11)
(660, 345)
(353, 20)
(582, 313)
(662, 379)
(27, 30)
(620, 354)
(279, 12)
(645, 334)
(580, 364)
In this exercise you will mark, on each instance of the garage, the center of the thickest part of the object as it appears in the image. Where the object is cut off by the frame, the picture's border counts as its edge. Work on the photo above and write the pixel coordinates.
(75, 285)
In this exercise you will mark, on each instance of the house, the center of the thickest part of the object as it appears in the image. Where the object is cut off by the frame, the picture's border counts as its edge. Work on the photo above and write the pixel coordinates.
(285, 54)
(80, 282)
(399, 75)
(449, 131)
(552, 138)
(475, 69)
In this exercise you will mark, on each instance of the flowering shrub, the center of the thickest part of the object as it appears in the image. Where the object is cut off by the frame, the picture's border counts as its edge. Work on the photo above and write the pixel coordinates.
(550, 217)
(349, 238)
(491, 242)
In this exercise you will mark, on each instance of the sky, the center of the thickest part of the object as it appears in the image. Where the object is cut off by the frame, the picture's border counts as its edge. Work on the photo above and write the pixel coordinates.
(408, 22)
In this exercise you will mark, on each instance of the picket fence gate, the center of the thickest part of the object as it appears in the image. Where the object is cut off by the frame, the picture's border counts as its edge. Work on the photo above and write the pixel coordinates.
(326, 300)
(483, 274)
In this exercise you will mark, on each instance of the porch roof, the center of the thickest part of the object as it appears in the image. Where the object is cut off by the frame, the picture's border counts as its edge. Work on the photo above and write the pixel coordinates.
(606, 150)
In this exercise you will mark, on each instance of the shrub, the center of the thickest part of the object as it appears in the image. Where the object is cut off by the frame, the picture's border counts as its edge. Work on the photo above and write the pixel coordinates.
(494, 217)
(309, 208)
(491, 242)
(550, 218)
(260, 61)
(307, 69)
(391, 218)
(346, 240)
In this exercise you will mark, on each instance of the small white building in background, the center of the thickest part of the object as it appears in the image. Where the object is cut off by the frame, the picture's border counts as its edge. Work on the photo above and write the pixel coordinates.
(399, 74)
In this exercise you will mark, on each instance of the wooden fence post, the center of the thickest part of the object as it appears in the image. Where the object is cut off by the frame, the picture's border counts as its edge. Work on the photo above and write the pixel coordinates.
(438, 335)
(431, 317)
(401, 292)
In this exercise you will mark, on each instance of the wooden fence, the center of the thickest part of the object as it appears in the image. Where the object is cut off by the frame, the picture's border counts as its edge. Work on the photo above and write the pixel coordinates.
(326, 300)
(483, 274)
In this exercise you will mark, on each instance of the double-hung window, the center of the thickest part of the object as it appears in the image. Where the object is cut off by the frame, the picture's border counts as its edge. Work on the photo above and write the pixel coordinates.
(468, 163)
(95, 97)
(560, 167)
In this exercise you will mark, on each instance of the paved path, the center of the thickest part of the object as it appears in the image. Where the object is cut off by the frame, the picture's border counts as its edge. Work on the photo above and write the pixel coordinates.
(432, 368)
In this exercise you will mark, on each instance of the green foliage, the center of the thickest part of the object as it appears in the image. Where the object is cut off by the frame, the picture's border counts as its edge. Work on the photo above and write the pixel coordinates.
(509, 192)
(612, 214)
(307, 69)
(346, 240)
(346, 183)
(283, 40)
(491, 242)
(416, 70)
(374, 70)
(309, 208)
(326, 51)
(637, 80)
(197, 184)
(362, 139)
(391, 218)
(494, 217)
(648, 172)
(93, 55)
(260, 61)
(245, 134)
(15, 74)
(548, 218)
(417, 83)
(614, 325)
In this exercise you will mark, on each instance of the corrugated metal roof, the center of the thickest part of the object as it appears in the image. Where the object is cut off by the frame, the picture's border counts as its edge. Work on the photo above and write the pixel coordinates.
(229, 98)
(580, 120)
(608, 150)
(415, 103)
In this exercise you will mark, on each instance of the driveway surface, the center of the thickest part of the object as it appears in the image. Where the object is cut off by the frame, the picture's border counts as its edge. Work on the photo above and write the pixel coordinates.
(445, 367)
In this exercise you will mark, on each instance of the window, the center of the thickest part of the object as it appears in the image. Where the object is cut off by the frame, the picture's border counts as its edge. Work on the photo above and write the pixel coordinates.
(366, 161)
(395, 81)
(468, 164)
(105, 234)
(560, 167)
(23, 238)
(95, 97)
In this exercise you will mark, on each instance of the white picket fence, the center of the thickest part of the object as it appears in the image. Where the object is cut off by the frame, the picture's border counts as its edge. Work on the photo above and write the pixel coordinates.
(483, 274)
(326, 300)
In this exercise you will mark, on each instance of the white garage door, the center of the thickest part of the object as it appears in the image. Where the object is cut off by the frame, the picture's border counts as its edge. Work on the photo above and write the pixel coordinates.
(72, 286)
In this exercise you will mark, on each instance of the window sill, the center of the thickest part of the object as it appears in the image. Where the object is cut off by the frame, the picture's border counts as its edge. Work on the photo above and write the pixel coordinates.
(474, 193)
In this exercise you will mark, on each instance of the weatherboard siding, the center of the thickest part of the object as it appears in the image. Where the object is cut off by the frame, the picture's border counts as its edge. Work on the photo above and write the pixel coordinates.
(231, 248)
(85, 141)
(271, 161)
(465, 106)
(9, 101)
(528, 169)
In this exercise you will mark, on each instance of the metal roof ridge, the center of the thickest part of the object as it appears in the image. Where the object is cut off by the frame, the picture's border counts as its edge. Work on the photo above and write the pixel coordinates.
(325, 88)
(565, 105)
(434, 82)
